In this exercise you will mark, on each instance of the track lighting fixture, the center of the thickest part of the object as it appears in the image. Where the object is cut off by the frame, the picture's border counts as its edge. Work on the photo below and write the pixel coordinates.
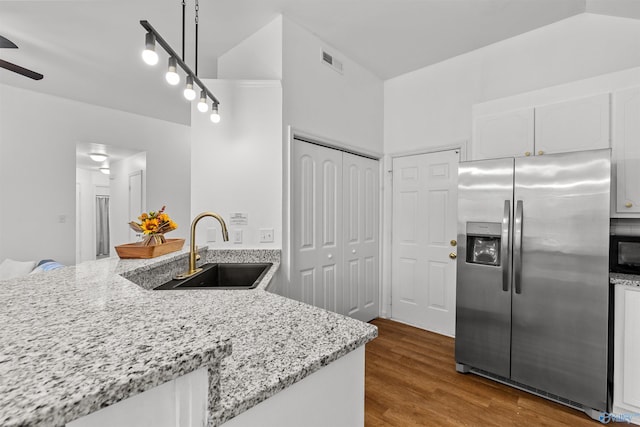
(203, 107)
(150, 56)
(189, 93)
(215, 117)
(172, 74)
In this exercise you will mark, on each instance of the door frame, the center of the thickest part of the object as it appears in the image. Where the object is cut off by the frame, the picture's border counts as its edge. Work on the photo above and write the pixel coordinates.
(284, 282)
(387, 214)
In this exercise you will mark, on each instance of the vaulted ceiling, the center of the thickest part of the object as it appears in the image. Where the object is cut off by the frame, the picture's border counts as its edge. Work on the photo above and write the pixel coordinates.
(89, 50)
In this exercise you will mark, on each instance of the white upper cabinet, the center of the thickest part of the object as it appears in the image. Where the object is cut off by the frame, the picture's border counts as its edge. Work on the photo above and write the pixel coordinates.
(626, 150)
(573, 125)
(579, 124)
(503, 135)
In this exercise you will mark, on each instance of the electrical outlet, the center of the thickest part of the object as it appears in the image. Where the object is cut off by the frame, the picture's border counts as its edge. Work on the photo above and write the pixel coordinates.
(211, 234)
(237, 236)
(266, 235)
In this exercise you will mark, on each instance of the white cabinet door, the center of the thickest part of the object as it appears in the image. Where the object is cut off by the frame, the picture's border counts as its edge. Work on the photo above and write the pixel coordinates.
(316, 179)
(423, 270)
(627, 351)
(506, 134)
(626, 149)
(579, 124)
(361, 213)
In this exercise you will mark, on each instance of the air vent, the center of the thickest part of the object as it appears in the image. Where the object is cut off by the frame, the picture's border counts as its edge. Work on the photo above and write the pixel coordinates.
(331, 61)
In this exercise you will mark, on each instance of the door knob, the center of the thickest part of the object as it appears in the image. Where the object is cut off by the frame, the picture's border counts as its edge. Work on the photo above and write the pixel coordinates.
(540, 153)
(453, 256)
(628, 205)
(527, 153)
(329, 256)
(353, 251)
(453, 242)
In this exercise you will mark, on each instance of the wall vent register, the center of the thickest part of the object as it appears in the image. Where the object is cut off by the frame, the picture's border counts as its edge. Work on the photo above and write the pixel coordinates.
(331, 61)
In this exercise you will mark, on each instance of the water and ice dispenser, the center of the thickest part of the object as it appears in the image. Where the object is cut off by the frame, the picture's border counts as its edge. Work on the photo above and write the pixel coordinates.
(483, 243)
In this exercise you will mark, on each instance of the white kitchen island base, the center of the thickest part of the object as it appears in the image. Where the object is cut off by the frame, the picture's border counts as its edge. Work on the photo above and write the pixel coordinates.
(331, 396)
(177, 403)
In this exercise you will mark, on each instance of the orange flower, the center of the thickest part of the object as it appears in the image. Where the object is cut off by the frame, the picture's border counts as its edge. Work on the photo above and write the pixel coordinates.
(143, 216)
(149, 226)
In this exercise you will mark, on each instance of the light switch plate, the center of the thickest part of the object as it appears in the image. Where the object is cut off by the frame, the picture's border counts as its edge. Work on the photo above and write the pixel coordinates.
(237, 236)
(266, 235)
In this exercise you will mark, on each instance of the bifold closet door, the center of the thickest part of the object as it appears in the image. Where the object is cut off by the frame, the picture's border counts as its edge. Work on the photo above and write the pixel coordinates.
(335, 220)
(361, 248)
(316, 198)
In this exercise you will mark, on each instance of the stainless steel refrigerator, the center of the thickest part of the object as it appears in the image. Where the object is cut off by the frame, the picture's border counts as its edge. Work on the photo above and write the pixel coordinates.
(533, 293)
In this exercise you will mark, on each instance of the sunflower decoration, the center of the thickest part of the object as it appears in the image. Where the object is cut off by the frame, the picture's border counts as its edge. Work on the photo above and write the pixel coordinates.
(153, 225)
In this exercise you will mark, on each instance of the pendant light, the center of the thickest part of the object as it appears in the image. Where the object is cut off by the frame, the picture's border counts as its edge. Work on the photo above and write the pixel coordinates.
(150, 56)
(215, 117)
(189, 92)
(172, 74)
(203, 107)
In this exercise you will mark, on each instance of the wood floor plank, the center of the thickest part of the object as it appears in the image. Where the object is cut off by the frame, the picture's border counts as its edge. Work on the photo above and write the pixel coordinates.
(410, 380)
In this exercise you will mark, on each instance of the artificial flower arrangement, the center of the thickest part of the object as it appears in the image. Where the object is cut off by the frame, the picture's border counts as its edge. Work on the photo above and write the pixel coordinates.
(153, 225)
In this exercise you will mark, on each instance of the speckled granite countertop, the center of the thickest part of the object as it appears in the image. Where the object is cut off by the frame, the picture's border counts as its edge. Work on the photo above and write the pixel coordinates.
(624, 279)
(80, 338)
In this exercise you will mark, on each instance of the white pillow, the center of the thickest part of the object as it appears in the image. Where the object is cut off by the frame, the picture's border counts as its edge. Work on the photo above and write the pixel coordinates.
(10, 269)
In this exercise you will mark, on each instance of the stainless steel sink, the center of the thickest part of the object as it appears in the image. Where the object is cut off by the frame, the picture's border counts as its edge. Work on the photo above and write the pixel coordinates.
(221, 276)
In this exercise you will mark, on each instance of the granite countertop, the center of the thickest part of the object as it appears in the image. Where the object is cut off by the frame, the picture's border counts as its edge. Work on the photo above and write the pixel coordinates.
(624, 279)
(78, 339)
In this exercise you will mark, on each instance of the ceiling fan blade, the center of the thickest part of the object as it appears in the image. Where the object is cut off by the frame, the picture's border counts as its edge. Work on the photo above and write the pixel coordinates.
(6, 43)
(20, 70)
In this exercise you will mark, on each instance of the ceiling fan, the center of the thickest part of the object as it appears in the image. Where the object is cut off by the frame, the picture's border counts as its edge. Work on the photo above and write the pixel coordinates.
(8, 44)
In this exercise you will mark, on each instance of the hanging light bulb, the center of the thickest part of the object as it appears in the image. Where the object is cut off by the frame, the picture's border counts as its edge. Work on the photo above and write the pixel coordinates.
(203, 107)
(215, 117)
(149, 54)
(189, 93)
(172, 75)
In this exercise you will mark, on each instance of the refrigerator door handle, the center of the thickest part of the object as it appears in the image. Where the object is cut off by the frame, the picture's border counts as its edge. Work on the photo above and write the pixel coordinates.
(504, 250)
(517, 249)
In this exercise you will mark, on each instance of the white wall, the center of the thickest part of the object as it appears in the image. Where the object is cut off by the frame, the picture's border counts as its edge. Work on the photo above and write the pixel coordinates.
(346, 107)
(236, 165)
(432, 106)
(259, 57)
(119, 202)
(38, 137)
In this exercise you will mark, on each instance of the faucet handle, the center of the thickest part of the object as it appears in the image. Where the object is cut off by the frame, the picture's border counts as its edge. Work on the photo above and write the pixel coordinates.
(197, 254)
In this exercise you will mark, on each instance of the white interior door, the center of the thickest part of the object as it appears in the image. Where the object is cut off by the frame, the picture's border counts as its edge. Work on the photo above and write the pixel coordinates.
(135, 200)
(423, 276)
(316, 201)
(361, 250)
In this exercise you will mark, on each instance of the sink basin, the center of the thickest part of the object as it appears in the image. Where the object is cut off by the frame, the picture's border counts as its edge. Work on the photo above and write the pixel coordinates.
(221, 276)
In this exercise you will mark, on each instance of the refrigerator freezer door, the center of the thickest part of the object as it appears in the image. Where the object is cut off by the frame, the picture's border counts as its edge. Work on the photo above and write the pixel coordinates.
(560, 309)
(483, 296)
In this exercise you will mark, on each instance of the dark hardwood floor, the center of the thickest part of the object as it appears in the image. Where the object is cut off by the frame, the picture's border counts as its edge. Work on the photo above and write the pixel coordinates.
(411, 380)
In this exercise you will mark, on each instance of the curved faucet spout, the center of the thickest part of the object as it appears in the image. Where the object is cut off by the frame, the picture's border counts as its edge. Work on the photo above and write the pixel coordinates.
(192, 246)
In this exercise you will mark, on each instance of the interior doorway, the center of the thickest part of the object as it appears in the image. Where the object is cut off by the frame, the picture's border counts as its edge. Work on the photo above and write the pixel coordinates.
(424, 220)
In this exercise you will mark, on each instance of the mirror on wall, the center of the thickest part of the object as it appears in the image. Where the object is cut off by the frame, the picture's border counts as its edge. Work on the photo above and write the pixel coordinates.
(110, 192)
